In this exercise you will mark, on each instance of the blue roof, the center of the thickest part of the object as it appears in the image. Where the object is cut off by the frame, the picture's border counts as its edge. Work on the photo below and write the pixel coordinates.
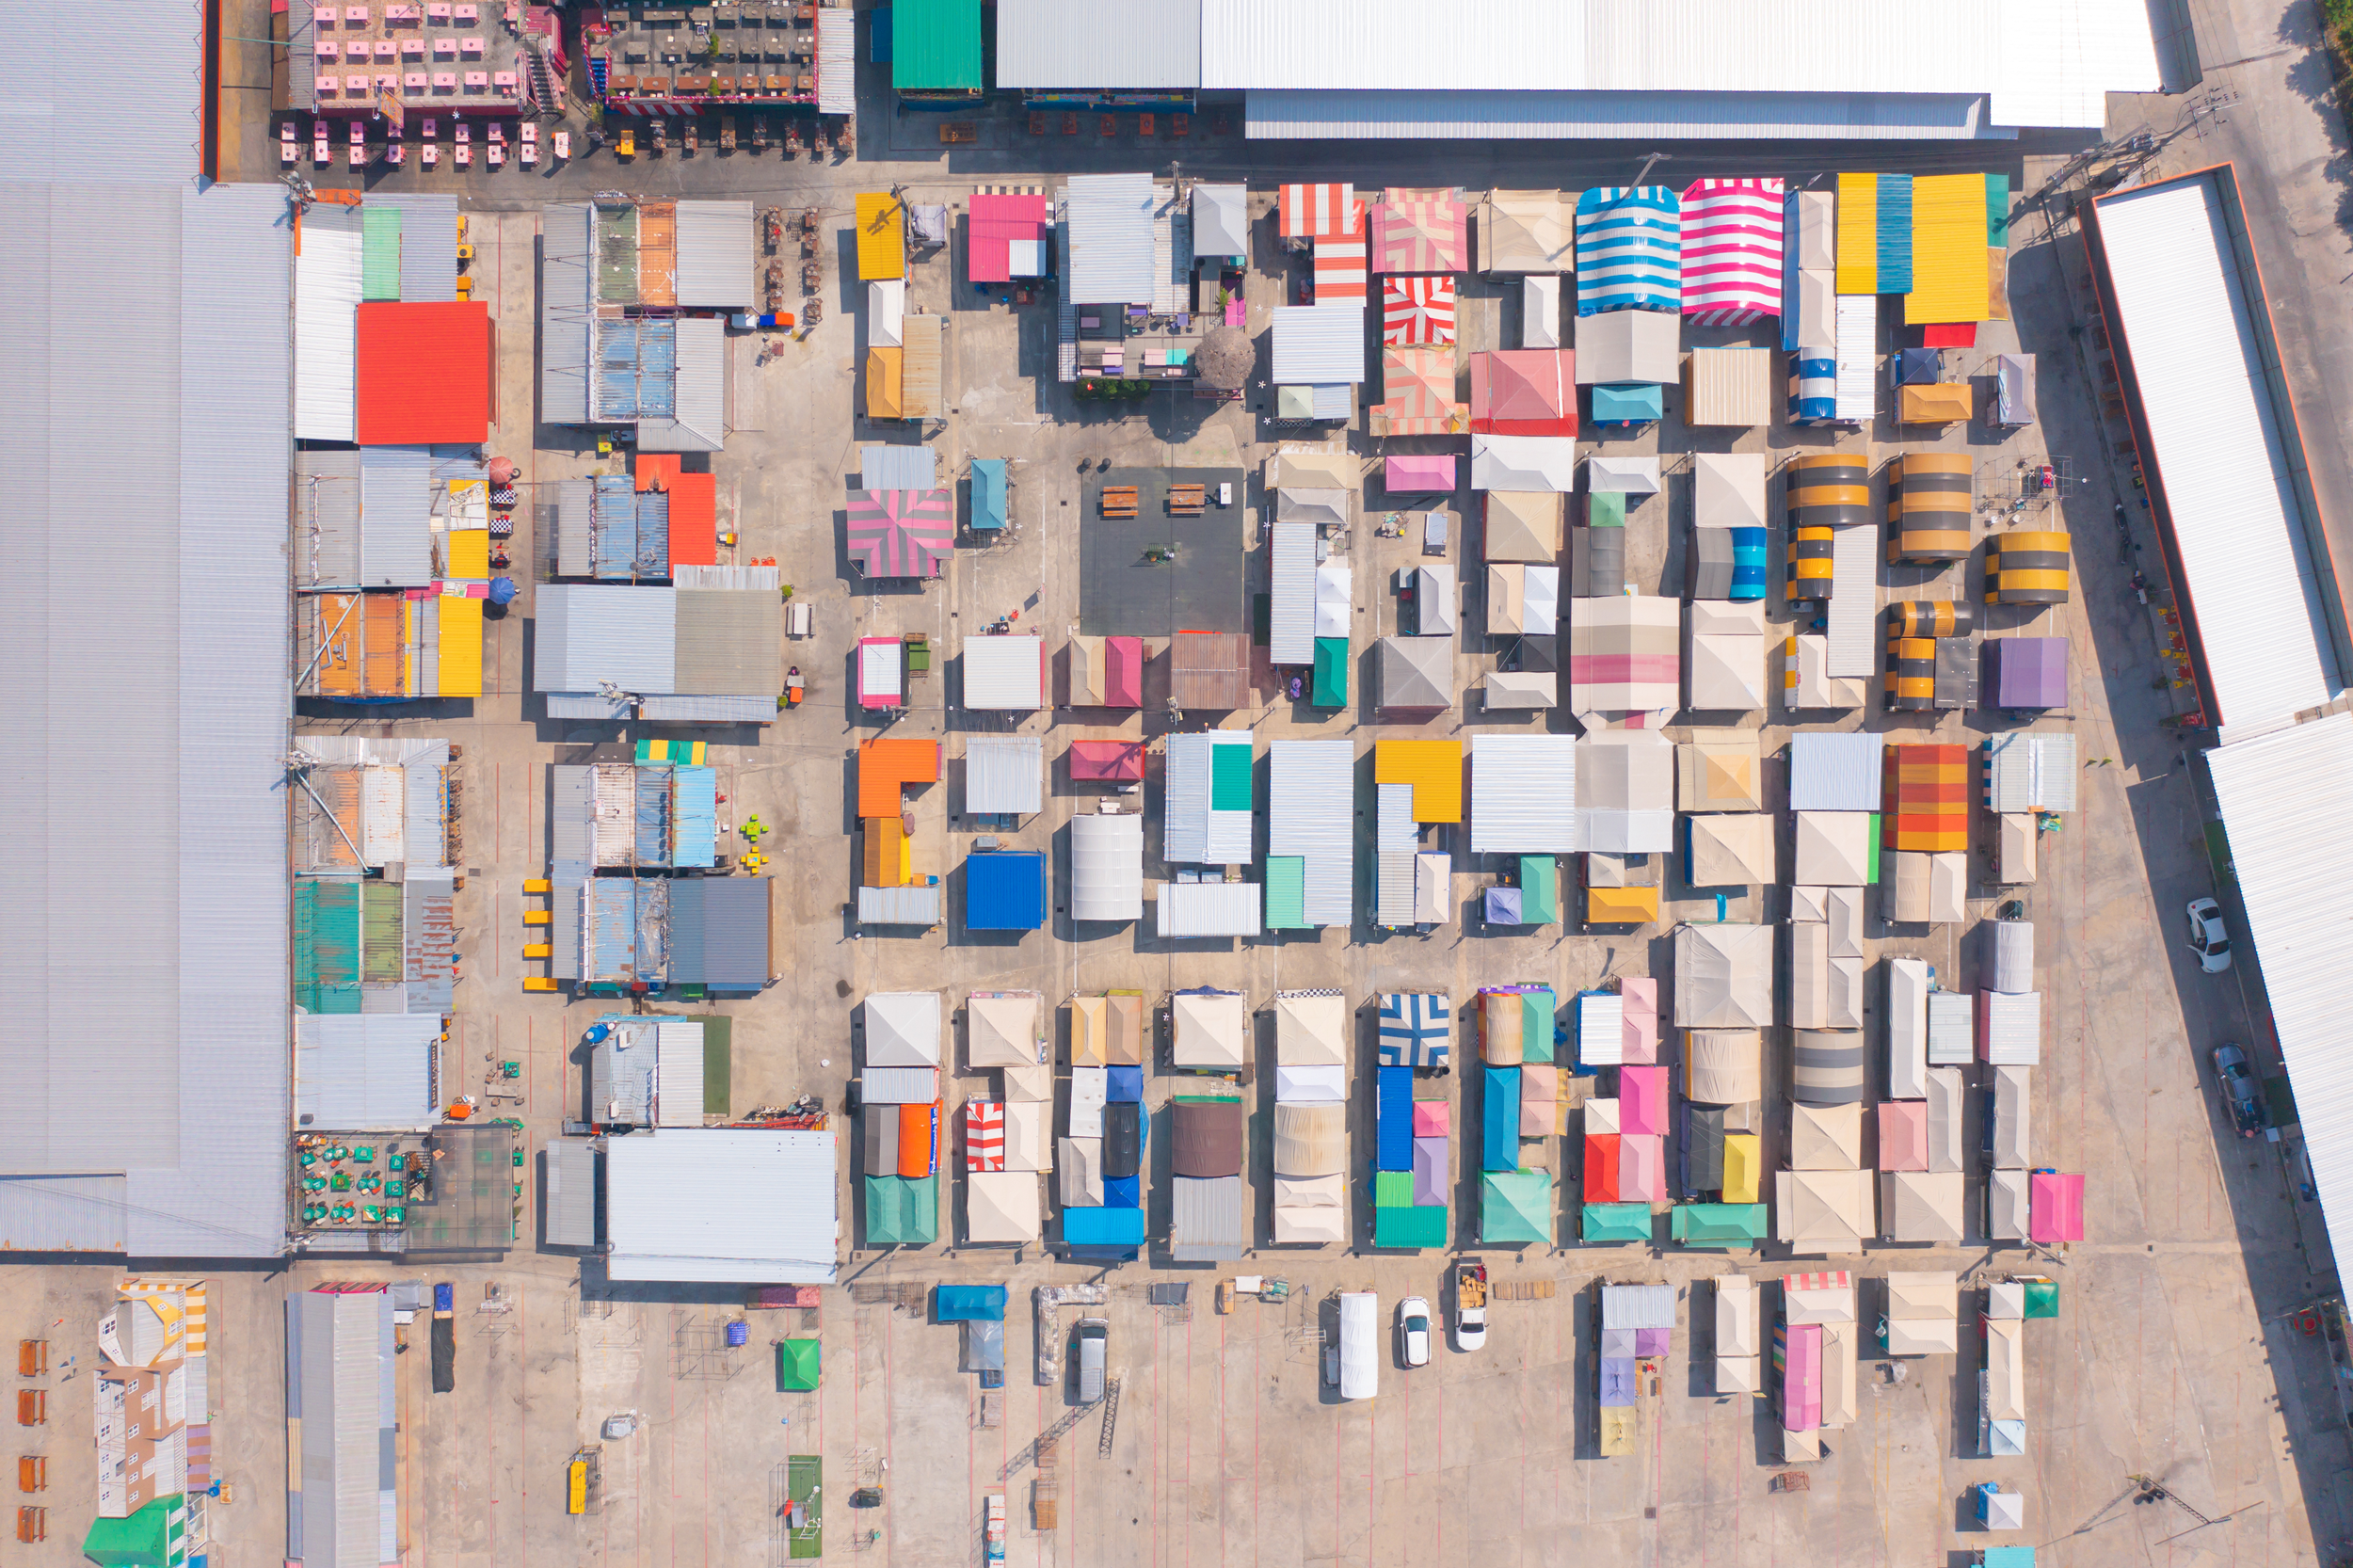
(1005, 890)
(1103, 1228)
(989, 493)
(957, 1303)
(1631, 403)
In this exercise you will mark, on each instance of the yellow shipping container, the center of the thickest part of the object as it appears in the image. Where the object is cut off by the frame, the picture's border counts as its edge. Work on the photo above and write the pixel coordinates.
(882, 237)
(1949, 249)
(1434, 768)
(1859, 233)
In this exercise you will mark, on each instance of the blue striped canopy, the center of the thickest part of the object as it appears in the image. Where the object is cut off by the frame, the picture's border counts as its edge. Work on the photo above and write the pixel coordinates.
(1629, 249)
(1416, 1029)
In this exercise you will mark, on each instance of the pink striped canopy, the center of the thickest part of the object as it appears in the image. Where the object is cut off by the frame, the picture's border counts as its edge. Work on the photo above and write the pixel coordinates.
(901, 533)
(1732, 251)
(1416, 311)
(1339, 268)
(1417, 392)
(1419, 231)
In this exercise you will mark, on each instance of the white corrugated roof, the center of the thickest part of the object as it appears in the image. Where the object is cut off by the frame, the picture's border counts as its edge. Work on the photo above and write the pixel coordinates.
(1523, 794)
(1004, 773)
(1405, 114)
(2285, 798)
(1106, 867)
(1105, 44)
(1857, 359)
(1004, 672)
(1834, 772)
(1292, 634)
(1854, 579)
(1208, 909)
(1192, 833)
(1311, 812)
(667, 1216)
(1319, 345)
(1111, 238)
(2181, 306)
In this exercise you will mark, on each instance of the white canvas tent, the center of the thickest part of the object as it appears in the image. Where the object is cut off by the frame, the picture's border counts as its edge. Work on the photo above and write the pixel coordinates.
(1029, 1142)
(1809, 975)
(1540, 310)
(1945, 1119)
(1725, 667)
(1523, 598)
(1923, 1313)
(1729, 849)
(902, 1029)
(1806, 680)
(2011, 1117)
(1723, 1066)
(1521, 689)
(1310, 1209)
(1728, 489)
(1927, 887)
(1738, 1342)
(1921, 1205)
(1824, 1213)
(1001, 1031)
(1310, 1028)
(2006, 1205)
(1825, 1137)
(1629, 473)
(1211, 1030)
(1000, 1206)
(1625, 792)
(1723, 976)
(1524, 463)
(1833, 849)
(1907, 1029)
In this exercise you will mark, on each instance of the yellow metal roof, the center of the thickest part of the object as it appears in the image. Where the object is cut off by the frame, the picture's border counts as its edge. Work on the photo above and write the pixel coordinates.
(460, 661)
(1949, 280)
(882, 237)
(1744, 1163)
(1944, 403)
(886, 396)
(1621, 906)
(470, 554)
(1859, 233)
(1434, 768)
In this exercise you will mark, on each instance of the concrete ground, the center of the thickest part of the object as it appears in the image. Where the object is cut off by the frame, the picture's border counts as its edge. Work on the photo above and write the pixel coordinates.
(2176, 1354)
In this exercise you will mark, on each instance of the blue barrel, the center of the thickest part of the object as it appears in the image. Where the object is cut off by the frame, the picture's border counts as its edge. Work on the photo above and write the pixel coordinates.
(739, 1335)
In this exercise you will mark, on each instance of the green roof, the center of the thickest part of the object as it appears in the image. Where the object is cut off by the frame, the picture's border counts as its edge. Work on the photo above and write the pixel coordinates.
(1718, 1224)
(1515, 1205)
(1409, 1225)
(1604, 509)
(1540, 891)
(1285, 892)
(1616, 1222)
(1536, 1023)
(1229, 777)
(718, 1063)
(797, 1365)
(1393, 1188)
(936, 46)
(900, 1211)
(154, 1537)
(379, 252)
(1331, 672)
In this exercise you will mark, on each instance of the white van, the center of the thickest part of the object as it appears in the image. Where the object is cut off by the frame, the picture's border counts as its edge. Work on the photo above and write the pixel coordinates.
(1360, 1345)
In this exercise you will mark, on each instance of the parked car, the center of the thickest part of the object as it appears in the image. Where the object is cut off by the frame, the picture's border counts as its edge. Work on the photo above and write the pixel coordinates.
(1094, 1344)
(2209, 938)
(2242, 1096)
(1470, 1305)
(1413, 1327)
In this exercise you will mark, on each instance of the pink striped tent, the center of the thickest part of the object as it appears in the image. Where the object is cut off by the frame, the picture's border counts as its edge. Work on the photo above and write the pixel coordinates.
(1418, 475)
(901, 533)
(1732, 251)
(1418, 387)
(1419, 230)
(1311, 211)
(1416, 311)
(983, 1135)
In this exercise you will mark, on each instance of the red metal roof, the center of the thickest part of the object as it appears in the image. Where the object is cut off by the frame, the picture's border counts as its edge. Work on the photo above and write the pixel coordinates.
(1120, 762)
(694, 520)
(995, 221)
(424, 374)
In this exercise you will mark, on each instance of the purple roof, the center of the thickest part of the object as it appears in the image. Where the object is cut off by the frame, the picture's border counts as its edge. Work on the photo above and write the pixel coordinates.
(2030, 672)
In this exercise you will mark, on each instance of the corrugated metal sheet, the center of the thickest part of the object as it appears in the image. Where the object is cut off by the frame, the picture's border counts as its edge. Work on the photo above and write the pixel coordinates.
(380, 267)
(1192, 832)
(697, 405)
(757, 708)
(719, 931)
(1122, 45)
(1394, 828)
(1392, 893)
(1003, 672)
(1950, 278)
(836, 60)
(327, 284)
(2284, 799)
(898, 468)
(1004, 773)
(566, 300)
(1523, 791)
(1206, 1219)
(1106, 867)
(366, 1073)
(576, 526)
(2030, 773)
(1293, 639)
(728, 643)
(327, 519)
(898, 905)
(2185, 311)
(1318, 345)
(428, 244)
(1208, 909)
(395, 517)
(568, 1179)
(1111, 238)
(1471, 114)
(714, 255)
(1834, 772)
(1311, 813)
(590, 634)
(663, 1222)
(62, 1213)
(678, 1045)
(1854, 601)
(1857, 358)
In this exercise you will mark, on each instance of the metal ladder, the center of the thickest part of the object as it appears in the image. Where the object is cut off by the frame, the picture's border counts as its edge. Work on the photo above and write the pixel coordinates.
(1111, 1417)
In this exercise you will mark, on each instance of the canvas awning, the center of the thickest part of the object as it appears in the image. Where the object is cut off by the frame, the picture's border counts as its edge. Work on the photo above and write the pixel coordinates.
(1310, 1209)
(1825, 1138)
(1305, 469)
(902, 1029)
(2011, 1135)
(1419, 230)
(2056, 1207)
(1418, 393)
(1826, 1066)
(1628, 474)
(1809, 971)
(1523, 231)
(1523, 392)
(901, 533)
(1540, 310)
(1723, 976)
(1416, 1029)
(1624, 791)
(1417, 312)
(1723, 1067)
(1726, 670)
(1833, 849)
(1211, 1029)
(1310, 1028)
(1001, 1031)
(2013, 390)
(1521, 689)
(1521, 525)
(1524, 463)
(1615, 347)
(1310, 1139)
(1515, 1207)
(1928, 887)
(1728, 489)
(2007, 1205)
(1319, 508)
(1939, 403)
(1411, 473)
(1903, 1128)
(1732, 849)
(1625, 661)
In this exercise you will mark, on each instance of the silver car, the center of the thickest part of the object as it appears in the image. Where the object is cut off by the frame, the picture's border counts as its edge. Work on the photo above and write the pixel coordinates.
(1094, 1343)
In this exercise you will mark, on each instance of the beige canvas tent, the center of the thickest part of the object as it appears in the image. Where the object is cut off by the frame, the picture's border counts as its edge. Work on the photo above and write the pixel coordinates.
(1523, 230)
(2006, 1205)
(1310, 1139)
(1907, 1029)
(1211, 1030)
(2014, 835)
(1310, 1028)
(1945, 1119)
(1927, 887)
(1842, 1002)
(902, 1029)
(1842, 911)
(1001, 1031)
(1729, 849)
(1311, 469)
(1826, 1065)
(1809, 975)
(1000, 1206)
(1923, 1312)
(1806, 681)
(1521, 525)
(2005, 1373)
(1921, 1205)
(1310, 1209)
(1724, 669)
(1728, 387)
(1319, 509)
(1826, 1137)
(2012, 1130)
(1723, 976)
(1808, 904)
(1824, 1213)
(1739, 1352)
(1034, 1082)
(1719, 770)
(1523, 598)
(1089, 671)
(1728, 489)
(1720, 1066)
(1029, 1143)
(1618, 347)
(1081, 1166)
(1833, 849)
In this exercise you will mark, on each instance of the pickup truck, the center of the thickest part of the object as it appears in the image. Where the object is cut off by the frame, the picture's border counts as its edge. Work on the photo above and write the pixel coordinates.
(1470, 1304)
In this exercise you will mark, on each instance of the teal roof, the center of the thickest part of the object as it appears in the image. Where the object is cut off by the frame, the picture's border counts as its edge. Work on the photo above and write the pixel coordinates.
(988, 493)
(936, 46)
(1285, 892)
(1718, 1224)
(1616, 1222)
(1515, 1205)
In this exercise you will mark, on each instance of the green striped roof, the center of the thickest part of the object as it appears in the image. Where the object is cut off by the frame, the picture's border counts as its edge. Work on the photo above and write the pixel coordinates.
(1285, 892)
(379, 252)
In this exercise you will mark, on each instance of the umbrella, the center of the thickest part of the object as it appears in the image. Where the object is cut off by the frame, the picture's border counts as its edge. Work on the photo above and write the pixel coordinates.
(1225, 359)
(1416, 311)
(901, 533)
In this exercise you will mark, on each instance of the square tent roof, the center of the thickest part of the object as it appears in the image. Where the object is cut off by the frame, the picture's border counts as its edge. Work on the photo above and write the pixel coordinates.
(1416, 672)
(1419, 230)
(1521, 525)
(1728, 849)
(1723, 976)
(1419, 311)
(1221, 220)
(1416, 1029)
(1433, 771)
(1728, 489)
(1727, 656)
(1825, 1211)
(2029, 672)
(1005, 890)
(1625, 792)
(1625, 661)
(901, 533)
(1001, 1029)
(1523, 599)
(1617, 347)
(1301, 468)
(1000, 1206)
(1833, 849)
(1310, 1028)
(1315, 507)
(1523, 231)
(1211, 1028)
(1825, 1138)
(902, 1029)
(1524, 463)
(1418, 395)
(1523, 392)
(1515, 1207)
(1719, 770)
(1922, 1206)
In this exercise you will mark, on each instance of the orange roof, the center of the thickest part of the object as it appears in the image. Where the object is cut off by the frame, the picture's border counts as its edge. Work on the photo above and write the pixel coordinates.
(1434, 768)
(886, 767)
(655, 470)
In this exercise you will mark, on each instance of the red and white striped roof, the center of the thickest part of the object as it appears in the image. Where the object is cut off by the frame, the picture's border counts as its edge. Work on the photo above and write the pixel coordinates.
(1732, 251)
(1340, 269)
(1416, 311)
(1311, 211)
(983, 1135)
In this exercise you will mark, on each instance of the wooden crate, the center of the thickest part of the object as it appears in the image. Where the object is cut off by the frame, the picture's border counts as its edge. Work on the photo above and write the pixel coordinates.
(32, 1524)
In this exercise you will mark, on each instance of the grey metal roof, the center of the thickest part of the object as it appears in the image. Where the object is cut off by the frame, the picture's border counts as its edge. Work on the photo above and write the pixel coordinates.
(571, 821)
(1294, 553)
(1004, 773)
(428, 243)
(340, 1508)
(569, 1182)
(662, 1223)
(699, 423)
(395, 517)
(898, 905)
(566, 275)
(1834, 772)
(172, 988)
(56, 96)
(588, 634)
(759, 708)
(361, 1072)
(1220, 217)
(1098, 44)
(898, 468)
(1416, 672)
(729, 643)
(1411, 114)
(1207, 1219)
(575, 527)
(714, 255)
(719, 931)
(63, 1213)
(1110, 239)
(1319, 345)
(327, 519)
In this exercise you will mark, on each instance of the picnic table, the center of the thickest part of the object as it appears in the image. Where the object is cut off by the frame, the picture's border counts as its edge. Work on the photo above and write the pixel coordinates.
(959, 131)
(1187, 500)
(1118, 501)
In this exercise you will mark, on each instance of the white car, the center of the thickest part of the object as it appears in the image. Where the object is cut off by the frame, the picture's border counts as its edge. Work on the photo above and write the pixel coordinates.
(2209, 938)
(1412, 1326)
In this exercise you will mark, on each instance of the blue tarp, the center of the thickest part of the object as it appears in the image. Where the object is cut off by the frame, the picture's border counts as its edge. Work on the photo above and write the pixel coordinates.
(1108, 1226)
(694, 817)
(1499, 1124)
(1005, 890)
(1394, 1121)
(988, 493)
(1748, 563)
(969, 1304)
(1504, 907)
(1124, 1085)
(1894, 236)
(1919, 367)
(1122, 1193)
(1629, 402)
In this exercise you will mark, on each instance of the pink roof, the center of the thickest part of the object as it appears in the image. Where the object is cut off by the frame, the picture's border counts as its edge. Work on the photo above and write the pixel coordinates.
(2054, 1208)
(1641, 1167)
(1118, 761)
(1430, 1118)
(1638, 1000)
(1524, 392)
(1904, 1135)
(1802, 1378)
(994, 221)
(1643, 1099)
(1415, 475)
(1123, 672)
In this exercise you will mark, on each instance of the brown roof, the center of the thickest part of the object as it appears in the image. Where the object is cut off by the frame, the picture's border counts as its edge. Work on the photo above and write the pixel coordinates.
(1210, 670)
